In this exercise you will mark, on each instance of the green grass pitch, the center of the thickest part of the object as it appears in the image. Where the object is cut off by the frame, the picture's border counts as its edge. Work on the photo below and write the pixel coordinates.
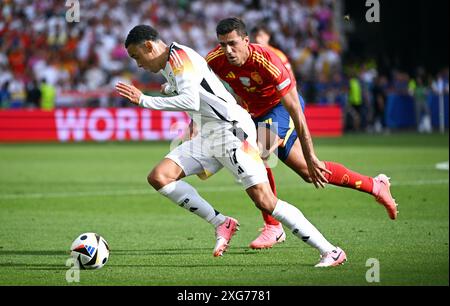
(50, 193)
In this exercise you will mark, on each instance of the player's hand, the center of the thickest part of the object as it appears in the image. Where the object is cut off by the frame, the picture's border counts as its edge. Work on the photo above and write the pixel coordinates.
(130, 92)
(165, 89)
(317, 172)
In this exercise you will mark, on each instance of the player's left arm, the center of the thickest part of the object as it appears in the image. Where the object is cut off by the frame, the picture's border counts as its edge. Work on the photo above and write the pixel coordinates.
(315, 166)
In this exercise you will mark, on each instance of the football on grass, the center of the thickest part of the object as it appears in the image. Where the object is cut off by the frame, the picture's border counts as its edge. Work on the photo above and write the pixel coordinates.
(90, 251)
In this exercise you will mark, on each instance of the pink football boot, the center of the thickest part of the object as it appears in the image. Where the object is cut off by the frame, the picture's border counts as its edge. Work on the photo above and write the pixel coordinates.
(331, 259)
(382, 193)
(270, 235)
(224, 232)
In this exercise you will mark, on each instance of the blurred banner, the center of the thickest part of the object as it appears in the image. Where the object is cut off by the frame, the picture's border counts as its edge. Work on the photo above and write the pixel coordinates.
(125, 124)
(400, 111)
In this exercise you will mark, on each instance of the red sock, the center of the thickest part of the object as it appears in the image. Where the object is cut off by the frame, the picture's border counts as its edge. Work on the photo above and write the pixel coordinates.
(344, 177)
(268, 219)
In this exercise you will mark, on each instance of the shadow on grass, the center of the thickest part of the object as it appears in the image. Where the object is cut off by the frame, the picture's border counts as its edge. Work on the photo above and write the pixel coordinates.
(42, 267)
(38, 267)
(33, 252)
(217, 265)
(143, 252)
(194, 251)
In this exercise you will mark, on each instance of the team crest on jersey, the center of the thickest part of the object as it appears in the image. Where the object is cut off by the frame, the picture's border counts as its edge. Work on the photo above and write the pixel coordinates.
(245, 81)
(256, 77)
(345, 180)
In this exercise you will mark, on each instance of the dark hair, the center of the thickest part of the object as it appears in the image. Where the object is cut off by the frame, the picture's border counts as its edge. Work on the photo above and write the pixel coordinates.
(141, 33)
(229, 25)
(259, 28)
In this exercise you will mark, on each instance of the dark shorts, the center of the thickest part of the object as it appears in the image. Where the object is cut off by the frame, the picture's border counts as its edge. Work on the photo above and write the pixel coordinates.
(280, 123)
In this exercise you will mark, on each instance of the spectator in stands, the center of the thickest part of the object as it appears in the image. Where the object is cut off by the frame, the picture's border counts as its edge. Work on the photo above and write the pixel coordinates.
(5, 95)
(355, 100)
(34, 36)
(34, 95)
(48, 97)
(338, 90)
(440, 85)
(379, 98)
(423, 114)
(400, 83)
(17, 91)
(86, 55)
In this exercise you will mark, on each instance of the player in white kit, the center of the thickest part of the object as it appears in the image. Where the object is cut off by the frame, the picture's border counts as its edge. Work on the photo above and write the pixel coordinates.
(226, 138)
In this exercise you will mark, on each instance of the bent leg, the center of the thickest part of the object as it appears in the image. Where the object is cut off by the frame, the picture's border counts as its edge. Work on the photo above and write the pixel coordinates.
(272, 232)
(166, 172)
(268, 142)
(166, 179)
(268, 219)
(263, 197)
(290, 216)
(341, 176)
(296, 161)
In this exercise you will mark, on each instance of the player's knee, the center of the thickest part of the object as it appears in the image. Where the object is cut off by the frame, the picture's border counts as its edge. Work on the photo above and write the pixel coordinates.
(265, 206)
(264, 201)
(157, 179)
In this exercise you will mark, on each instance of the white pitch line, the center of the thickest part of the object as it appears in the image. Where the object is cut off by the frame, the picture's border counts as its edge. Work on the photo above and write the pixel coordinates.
(442, 166)
(134, 192)
(104, 193)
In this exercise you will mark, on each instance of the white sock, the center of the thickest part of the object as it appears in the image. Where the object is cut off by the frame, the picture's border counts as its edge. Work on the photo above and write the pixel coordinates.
(186, 196)
(292, 218)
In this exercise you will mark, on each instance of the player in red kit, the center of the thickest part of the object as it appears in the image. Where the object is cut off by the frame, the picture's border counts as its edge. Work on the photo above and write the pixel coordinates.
(264, 86)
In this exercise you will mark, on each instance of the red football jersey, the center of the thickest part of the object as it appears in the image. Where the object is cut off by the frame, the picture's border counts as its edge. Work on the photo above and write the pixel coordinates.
(283, 58)
(260, 82)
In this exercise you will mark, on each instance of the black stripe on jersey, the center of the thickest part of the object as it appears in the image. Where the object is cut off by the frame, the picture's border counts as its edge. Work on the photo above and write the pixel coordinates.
(171, 48)
(239, 133)
(170, 51)
(175, 47)
(206, 87)
(218, 114)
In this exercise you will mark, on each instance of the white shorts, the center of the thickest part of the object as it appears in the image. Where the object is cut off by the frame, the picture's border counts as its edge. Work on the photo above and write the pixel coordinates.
(234, 149)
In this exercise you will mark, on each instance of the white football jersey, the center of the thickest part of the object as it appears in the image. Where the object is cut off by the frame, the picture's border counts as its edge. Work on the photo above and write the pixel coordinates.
(196, 90)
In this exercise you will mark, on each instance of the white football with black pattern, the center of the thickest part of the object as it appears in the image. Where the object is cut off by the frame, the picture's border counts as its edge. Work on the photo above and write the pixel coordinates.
(90, 251)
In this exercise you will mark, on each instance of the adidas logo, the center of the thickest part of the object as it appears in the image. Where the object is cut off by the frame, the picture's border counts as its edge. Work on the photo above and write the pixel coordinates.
(184, 202)
(230, 75)
(90, 249)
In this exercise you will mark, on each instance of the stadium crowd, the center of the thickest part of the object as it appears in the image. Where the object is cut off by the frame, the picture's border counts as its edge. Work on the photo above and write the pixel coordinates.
(43, 55)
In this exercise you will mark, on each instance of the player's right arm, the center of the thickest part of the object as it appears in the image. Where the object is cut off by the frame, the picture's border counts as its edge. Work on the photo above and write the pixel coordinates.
(316, 168)
(277, 73)
(188, 100)
(187, 96)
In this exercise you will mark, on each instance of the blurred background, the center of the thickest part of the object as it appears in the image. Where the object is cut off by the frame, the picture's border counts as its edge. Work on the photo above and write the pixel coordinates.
(379, 76)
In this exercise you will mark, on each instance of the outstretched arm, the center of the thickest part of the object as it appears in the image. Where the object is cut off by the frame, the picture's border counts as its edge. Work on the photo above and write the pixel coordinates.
(129, 92)
(315, 167)
(188, 100)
